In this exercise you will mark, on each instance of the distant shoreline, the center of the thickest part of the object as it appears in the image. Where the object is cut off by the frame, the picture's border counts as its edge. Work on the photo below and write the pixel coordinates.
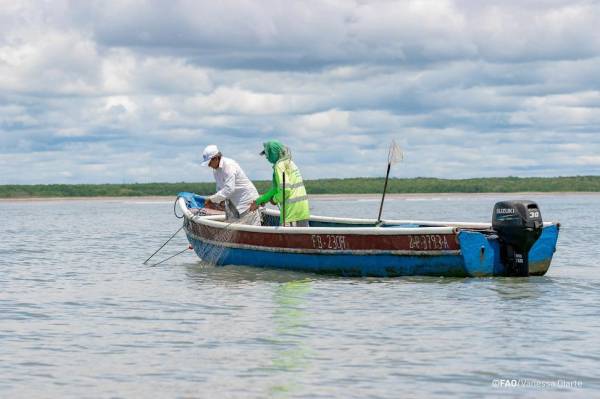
(350, 186)
(319, 197)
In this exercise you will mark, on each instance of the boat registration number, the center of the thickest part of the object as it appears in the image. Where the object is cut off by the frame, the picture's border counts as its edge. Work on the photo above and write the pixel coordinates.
(328, 241)
(429, 241)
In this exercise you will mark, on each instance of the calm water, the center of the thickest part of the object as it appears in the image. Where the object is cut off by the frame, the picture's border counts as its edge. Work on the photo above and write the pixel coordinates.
(80, 316)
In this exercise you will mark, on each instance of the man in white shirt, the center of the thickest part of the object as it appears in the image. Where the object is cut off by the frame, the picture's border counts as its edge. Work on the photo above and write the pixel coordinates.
(233, 187)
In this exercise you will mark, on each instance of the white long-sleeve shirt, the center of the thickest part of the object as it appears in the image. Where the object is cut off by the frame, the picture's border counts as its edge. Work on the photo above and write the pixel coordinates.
(233, 184)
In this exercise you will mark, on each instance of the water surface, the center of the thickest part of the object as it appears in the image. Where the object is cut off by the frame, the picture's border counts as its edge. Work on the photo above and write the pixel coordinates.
(81, 316)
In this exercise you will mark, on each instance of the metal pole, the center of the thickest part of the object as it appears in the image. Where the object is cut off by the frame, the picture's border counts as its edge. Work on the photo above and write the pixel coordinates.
(283, 211)
(387, 175)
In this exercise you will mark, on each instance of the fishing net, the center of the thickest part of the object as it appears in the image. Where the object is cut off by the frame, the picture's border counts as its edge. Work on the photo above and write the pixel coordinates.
(215, 253)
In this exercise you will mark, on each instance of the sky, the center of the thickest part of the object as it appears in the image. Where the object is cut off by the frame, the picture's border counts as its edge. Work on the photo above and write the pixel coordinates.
(132, 91)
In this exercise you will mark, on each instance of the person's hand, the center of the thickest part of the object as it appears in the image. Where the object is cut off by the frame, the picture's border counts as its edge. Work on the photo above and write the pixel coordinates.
(253, 206)
(209, 204)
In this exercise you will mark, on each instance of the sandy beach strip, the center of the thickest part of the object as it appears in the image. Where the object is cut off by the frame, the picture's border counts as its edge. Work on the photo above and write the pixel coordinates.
(317, 197)
(151, 198)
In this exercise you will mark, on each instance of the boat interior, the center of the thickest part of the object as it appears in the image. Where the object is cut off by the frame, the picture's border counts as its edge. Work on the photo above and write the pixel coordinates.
(270, 217)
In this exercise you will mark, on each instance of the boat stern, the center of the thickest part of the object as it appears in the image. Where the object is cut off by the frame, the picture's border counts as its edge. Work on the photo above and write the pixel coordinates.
(483, 252)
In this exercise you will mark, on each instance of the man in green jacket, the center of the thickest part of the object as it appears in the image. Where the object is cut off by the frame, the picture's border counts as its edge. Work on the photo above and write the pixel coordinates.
(287, 191)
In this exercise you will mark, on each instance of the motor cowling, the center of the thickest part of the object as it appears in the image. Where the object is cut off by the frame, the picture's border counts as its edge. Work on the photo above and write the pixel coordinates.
(518, 225)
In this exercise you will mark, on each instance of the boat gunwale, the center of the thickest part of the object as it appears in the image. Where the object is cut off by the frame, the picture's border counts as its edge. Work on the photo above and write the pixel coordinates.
(388, 227)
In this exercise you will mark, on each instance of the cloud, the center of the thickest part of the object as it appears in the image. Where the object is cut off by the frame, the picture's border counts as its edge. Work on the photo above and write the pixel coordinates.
(133, 90)
(234, 100)
(311, 34)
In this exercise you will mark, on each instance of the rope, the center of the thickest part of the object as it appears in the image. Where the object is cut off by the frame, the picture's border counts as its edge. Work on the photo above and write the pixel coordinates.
(162, 246)
(171, 257)
(175, 209)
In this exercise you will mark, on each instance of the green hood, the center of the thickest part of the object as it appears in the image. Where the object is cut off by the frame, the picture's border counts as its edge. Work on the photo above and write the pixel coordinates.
(275, 151)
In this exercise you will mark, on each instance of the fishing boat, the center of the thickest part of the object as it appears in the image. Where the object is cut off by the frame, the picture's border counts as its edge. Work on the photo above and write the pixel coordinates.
(515, 243)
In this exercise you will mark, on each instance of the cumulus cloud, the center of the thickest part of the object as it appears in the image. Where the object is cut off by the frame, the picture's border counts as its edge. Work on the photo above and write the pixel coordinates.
(132, 90)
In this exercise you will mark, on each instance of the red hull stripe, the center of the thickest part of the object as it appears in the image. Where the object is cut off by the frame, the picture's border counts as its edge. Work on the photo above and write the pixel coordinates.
(330, 242)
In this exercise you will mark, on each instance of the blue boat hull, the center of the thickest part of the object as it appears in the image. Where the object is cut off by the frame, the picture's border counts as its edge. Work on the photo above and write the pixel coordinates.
(479, 256)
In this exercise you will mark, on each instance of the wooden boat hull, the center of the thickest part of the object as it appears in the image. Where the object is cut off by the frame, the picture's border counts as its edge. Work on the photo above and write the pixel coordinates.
(462, 250)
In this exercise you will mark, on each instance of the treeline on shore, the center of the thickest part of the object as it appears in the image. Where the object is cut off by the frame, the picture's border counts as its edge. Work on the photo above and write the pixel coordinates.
(321, 186)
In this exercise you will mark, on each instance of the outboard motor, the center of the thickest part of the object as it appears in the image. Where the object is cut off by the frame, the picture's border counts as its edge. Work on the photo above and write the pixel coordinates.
(519, 225)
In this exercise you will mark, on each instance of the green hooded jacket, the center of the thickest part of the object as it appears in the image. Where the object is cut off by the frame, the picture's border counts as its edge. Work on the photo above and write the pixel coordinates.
(296, 200)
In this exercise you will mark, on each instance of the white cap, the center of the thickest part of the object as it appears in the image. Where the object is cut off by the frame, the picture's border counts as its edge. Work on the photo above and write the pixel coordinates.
(209, 153)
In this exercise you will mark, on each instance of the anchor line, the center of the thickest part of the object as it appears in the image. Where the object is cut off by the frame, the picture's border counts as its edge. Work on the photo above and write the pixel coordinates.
(162, 246)
(171, 257)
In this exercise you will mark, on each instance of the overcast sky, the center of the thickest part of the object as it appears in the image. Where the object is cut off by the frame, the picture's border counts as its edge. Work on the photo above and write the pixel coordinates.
(132, 91)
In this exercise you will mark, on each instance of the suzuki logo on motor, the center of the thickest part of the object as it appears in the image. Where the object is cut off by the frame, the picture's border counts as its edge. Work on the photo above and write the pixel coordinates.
(505, 211)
